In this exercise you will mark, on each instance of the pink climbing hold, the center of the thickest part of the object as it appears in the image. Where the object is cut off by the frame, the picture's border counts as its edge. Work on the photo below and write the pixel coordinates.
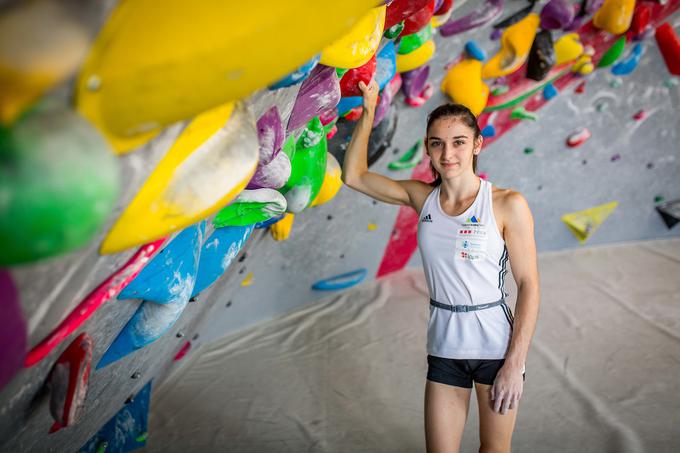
(640, 115)
(182, 352)
(68, 382)
(578, 137)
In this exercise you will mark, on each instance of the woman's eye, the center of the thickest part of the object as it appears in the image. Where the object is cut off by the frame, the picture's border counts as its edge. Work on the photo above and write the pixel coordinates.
(458, 142)
(435, 143)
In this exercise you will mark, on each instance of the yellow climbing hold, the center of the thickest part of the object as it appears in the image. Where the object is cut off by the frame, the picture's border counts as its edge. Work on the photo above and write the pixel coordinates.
(281, 229)
(568, 48)
(584, 223)
(417, 58)
(583, 65)
(515, 45)
(372, 227)
(154, 64)
(41, 44)
(209, 164)
(614, 16)
(463, 84)
(332, 181)
(248, 280)
(359, 44)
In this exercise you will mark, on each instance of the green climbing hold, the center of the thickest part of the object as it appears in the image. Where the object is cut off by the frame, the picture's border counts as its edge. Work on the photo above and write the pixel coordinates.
(500, 89)
(394, 31)
(410, 159)
(520, 113)
(341, 71)
(409, 43)
(142, 437)
(658, 199)
(615, 83)
(528, 150)
(670, 82)
(102, 446)
(613, 53)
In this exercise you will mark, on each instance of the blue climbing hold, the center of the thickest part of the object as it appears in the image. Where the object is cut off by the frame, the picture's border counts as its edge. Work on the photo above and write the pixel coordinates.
(341, 281)
(474, 51)
(488, 131)
(549, 91)
(628, 64)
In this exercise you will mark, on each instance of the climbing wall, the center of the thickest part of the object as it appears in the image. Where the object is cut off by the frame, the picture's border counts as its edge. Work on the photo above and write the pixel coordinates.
(156, 195)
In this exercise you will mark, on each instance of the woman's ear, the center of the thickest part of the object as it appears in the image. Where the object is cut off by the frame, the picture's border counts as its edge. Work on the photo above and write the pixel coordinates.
(478, 144)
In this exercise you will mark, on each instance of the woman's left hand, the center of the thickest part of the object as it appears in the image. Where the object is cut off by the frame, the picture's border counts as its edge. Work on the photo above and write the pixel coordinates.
(507, 388)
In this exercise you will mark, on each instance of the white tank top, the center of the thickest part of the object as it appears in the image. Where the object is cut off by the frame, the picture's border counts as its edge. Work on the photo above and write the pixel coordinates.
(464, 259)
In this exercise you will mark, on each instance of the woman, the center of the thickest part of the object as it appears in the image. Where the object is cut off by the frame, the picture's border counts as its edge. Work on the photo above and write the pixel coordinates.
(468, 230)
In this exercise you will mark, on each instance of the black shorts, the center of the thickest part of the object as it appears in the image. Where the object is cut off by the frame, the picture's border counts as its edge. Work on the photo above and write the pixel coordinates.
(461, 372)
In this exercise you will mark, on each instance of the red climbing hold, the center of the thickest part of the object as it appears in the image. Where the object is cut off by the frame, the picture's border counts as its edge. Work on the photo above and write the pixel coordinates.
(640, 115)
(640, 20)
(580, 88)
(349, 84)
(669, 45)
(578, 137)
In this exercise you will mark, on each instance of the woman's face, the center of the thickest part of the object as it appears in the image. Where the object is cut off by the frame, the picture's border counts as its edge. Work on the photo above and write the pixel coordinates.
(451, 144)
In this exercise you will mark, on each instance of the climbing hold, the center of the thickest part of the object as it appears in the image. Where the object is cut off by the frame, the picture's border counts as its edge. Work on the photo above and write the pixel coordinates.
(410, 159)
(497, 90)
(669, 212)
(281, 229)
(615, 157)
(583, 65)
(419, 19)
(358, 44)
(549, 91)
(578, 137)
(250, 207)
(640, 115)
(520, 113)
(341, 72)
(391, 89)
(398, 11)
(616, 82)
(556, 14)
(541, 56)
(372, 227)
(475, 51)
(528, 150)
(613, 53)
(59, 183)
(640, 23)
(108, 289)
(211, 161)
(483, 14)
(308, 168)
(584, 223)
(463, 84)
(248, 280)
(601, 106)
(443, 14)
(670, 82)
(332, 181)
(496, 34)
(580, 88)
(669, 45)
(349, 84)
(298, 75)
(515, 17)
(43, 43)
(409, 43)
(68, 381)
(13, 334)
(630, 62)
(568, 48)
(126, 430)
(614, 16)
(318, 93)
(417, 58)
(658, 199)
(341, 281)
(394, 31)
(415, 87)
(183, 351)
(133, 59)
(273, 167)
(515, 45)
(488, 131)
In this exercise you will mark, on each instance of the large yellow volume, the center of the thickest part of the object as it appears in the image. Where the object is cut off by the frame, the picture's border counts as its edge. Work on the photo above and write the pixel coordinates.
(515, 45)
(155, 63)
(359, 44)
(463, 83)
(209, 164)
(417, 58)
(584, 223)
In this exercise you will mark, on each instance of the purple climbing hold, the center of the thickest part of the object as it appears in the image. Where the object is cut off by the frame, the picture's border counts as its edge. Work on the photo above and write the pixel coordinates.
(488, 11)
(318, 93)
(556, 14)
(413, 82)
(13, 332)
(270, 134)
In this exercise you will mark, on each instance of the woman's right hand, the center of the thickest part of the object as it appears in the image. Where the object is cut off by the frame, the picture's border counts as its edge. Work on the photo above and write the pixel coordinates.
(370, 94)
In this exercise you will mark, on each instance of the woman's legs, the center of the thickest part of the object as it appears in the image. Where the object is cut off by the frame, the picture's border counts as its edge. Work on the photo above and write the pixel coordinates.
(495, 429)
(446, 410)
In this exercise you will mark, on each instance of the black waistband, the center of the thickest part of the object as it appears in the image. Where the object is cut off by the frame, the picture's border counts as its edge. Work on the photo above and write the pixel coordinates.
(466, 308)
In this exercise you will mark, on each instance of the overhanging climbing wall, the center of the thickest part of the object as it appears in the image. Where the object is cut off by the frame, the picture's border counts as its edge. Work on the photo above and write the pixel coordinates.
(156, 194)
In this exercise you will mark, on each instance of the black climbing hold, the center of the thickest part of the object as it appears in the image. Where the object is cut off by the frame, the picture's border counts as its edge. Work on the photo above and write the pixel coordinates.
(395, 151)
(342, 255)
(241, 270)
(194, 338)
(193, 299)
(329, 217)
(515, 17)
(136, 375)
(130, 399)
(179, 335)
(375, 202)
(228, 304)
(541, 56)
(242, 258)
(650, 165)
(670, 212)
(584, 161)
(539, 187)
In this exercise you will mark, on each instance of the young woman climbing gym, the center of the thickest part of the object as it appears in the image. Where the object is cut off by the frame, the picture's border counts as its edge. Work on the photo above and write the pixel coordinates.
(468, 229)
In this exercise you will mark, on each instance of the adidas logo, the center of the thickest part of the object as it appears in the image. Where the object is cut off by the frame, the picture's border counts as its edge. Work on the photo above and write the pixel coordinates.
(427, 218)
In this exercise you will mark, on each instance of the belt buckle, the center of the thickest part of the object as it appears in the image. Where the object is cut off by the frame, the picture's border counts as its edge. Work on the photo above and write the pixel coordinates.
(462, 308)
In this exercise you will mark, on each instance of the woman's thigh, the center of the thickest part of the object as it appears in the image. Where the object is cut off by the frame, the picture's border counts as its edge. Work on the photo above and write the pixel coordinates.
(495, 429)
(446, 410)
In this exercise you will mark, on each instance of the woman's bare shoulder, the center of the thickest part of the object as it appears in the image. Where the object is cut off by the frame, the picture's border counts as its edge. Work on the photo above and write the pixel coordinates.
(418, 192)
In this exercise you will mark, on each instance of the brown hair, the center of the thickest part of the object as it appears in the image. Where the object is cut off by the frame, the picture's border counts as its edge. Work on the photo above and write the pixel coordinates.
(466, 116)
